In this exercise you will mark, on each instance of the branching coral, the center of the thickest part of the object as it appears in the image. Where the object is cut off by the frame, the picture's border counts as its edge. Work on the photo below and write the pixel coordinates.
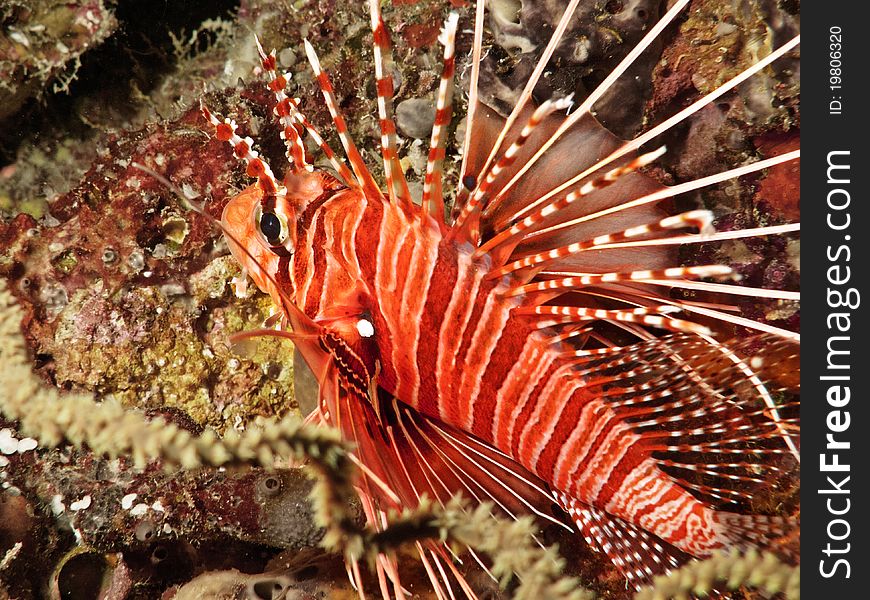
(762, 571)
(106, 428)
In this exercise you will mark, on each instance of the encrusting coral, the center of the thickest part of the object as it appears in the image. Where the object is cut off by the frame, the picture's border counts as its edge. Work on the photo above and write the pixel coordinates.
(31, 57)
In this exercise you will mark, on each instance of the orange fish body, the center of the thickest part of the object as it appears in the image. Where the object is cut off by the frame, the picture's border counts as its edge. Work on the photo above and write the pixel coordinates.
(464, 355)
(448, 343)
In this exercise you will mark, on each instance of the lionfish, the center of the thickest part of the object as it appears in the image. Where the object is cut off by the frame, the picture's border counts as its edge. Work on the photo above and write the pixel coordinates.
(519, 343)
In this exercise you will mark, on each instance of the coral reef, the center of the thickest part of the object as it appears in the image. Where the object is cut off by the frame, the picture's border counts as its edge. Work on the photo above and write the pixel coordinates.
(42, 45)
(125, 295)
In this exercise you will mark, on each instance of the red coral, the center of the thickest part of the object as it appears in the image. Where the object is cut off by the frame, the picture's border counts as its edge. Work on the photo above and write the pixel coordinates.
(780, 189)
(422, 35)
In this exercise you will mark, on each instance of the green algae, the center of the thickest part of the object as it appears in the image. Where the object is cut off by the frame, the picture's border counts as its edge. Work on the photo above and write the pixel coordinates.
(150, 350)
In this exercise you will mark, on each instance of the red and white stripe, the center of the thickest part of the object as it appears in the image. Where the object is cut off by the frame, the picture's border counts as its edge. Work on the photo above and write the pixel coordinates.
(397, 187)
(432, 201)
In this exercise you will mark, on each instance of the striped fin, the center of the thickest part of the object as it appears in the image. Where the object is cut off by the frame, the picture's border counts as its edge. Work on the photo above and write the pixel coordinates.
(484, 186)
(583, 280)
(640, 556)
(405, 456)
(486, 473)
(712, 427)
(710, 441)
(538, 211)
(580, 119)
(626, 148)
(397, 187)
(337, 163)
(697, 218)
(452, 461)
(475, 168)
(636, 553)
(356, 161)
(577, 135)
(538, 216)
(474, 132)
(595, 211)
(652, 316)
(287, 111)
(243, 149)
(432, 190)
(277, 84)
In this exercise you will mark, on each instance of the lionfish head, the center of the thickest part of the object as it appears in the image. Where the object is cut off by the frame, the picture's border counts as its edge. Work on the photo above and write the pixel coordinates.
(255, 233)
(261, 227)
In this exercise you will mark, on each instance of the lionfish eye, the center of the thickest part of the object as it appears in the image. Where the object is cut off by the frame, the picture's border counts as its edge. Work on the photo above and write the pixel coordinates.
(272, 228)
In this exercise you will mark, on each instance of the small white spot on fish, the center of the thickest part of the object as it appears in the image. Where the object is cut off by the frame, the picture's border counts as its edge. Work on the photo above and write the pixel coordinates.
(158, 506)
(127, 501)
(365, 328)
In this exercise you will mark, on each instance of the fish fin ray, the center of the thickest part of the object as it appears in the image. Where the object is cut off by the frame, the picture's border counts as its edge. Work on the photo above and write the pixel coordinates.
(636, 553)
(432, 184)
(357, 163)
(397, 186)
(716, 416)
